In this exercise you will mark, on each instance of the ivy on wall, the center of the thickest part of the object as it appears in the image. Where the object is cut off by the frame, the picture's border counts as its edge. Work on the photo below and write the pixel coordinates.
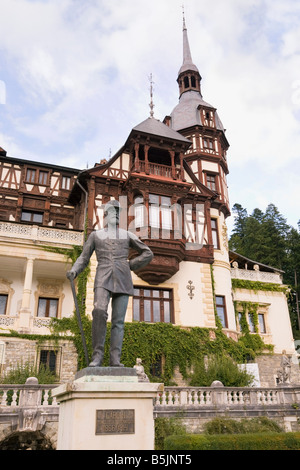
(257, 286)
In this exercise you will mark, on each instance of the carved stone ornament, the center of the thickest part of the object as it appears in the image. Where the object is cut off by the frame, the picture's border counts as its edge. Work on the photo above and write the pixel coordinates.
(190, 288)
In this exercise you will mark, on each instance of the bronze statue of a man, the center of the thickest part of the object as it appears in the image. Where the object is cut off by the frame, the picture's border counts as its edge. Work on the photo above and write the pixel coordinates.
(112, 281)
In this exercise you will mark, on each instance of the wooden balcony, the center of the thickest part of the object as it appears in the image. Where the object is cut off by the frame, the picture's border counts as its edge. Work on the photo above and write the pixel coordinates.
(158, 170)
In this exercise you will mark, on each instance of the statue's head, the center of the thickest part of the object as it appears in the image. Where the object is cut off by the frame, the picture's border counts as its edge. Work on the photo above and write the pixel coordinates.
(112, 212)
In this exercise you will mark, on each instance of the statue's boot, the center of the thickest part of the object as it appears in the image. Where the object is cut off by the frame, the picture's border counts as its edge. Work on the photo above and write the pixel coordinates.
(116, 341)
(98, 336)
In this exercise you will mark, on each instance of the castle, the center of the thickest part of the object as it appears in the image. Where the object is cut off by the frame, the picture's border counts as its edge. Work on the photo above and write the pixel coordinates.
(170, 179)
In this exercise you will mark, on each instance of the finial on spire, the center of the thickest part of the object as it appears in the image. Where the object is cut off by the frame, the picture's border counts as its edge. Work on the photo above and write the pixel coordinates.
(183, 14)
(151, 96)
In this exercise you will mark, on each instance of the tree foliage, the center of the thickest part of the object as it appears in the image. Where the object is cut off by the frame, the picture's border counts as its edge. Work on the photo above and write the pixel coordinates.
(266, 237)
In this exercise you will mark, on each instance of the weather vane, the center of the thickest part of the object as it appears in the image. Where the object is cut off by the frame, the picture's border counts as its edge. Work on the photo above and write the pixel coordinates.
(151, 96)
(183, 14)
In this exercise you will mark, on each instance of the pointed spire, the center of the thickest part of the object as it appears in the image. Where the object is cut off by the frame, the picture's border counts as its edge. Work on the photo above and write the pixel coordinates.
(187, 56)
(189, 77)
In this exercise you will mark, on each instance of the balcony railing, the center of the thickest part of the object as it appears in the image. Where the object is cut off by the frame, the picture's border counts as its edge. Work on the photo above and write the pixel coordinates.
(156, 169)
(252, 275)
(40, 233)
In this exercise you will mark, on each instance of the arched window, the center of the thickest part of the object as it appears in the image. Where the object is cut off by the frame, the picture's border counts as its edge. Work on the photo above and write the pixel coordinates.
(193, 81)
(186, 82)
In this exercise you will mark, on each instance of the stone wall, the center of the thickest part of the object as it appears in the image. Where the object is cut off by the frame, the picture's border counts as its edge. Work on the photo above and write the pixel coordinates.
(269, 365)
(20, 352)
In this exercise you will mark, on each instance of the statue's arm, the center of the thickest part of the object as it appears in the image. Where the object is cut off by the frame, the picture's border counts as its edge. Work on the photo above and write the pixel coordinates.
(83, 260)
(145, 254)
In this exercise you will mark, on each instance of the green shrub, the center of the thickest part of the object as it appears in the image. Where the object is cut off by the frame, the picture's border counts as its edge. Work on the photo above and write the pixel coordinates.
(165, 427)
(265, 441)
(245, 426)
(223, 368)
(22, 372)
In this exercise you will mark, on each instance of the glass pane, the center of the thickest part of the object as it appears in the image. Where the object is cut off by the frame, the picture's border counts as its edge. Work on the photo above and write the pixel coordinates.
(65, 182)
(136, 309)
(147, 310)
(166, 294)
(43, 177)
(136, 292)
(262, 327)
(219, 300)
(30, 176)
(3, 300)
(166, 201)
(221, 315)
(167, 317)
(251, 323)
(52, 361)
(139, 216)
(154, 216)
(155, 293)
(153, 199)
(42, 307)
(53, 307)
(147, 293)
(166, 215)
(26, 216)
(37, 218)
(156, 311)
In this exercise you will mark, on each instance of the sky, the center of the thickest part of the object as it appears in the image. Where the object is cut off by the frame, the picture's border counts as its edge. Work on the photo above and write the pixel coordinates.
(74, 81)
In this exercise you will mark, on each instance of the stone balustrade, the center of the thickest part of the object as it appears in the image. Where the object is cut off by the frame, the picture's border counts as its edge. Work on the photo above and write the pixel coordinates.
(255, 275)
(31, 407)
(171, 397)
(31, 394)
(41, 233)
(226, 397)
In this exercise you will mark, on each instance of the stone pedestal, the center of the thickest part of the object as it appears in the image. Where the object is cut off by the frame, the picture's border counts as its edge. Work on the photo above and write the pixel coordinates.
(106, 408)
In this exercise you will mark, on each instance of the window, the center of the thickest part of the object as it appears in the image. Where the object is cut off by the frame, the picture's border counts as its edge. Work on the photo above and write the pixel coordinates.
(30, 175)
(261, 322)
(139, 215)
(153, 305)
(43, 177)
(215, 235)
(186, 82)
(251, 323)
(211, 182)
(29, 216)
(66, 182)
(47, 307)
(3, 303)
(48, 359)
(221, 310)
(160, 212)
(208, 144)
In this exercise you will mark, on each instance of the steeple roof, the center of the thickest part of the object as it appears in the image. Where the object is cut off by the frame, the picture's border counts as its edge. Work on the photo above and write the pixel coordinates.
(187, 56)
(186, 113)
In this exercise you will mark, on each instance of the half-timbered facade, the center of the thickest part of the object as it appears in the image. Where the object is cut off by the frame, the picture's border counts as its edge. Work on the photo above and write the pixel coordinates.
(170, 179)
